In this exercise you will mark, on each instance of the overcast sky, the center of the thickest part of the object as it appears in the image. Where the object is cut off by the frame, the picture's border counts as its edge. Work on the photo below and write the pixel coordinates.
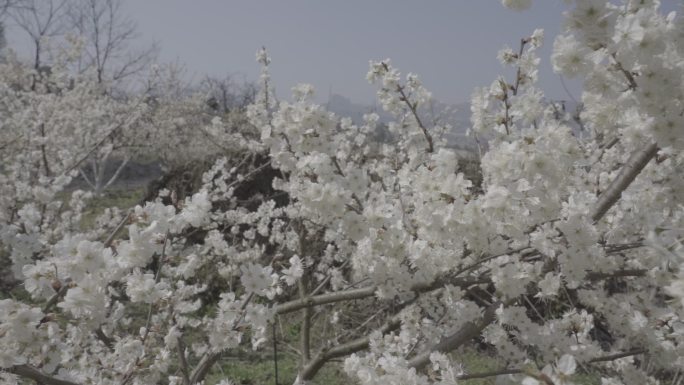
(451, 44)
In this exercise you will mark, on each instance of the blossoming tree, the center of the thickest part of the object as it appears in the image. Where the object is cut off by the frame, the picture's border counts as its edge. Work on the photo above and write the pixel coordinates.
(570, 256)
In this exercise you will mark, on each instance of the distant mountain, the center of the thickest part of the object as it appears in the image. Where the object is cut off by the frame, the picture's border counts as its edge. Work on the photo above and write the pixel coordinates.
(344, 107)
(456, 115)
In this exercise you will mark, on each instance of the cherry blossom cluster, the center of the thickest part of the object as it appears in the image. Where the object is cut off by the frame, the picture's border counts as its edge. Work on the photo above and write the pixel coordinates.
(567, 255)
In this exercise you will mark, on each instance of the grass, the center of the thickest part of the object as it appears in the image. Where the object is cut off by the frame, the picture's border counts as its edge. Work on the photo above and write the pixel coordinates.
(261, 371)
(122, 198)
(243, 372)
(477, 362)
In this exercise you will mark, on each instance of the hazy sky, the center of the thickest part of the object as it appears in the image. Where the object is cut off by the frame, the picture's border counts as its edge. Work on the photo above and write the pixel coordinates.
(451, 44)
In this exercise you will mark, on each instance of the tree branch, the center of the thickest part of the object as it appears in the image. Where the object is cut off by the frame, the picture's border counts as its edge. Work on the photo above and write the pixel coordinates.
(29, 371)
(414, 111)
(619, 273)
(117, 173)
(209, 359)
(616, 248)
(183, 361)
(364, 292)
(361, 343)
(628, 173)
(305, 331)
(109, 342)
(322, 299)
(451, 342)
(119, 226)
(55, 297)
(203, 367)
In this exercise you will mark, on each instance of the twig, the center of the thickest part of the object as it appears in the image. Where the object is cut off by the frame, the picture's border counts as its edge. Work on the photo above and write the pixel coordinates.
(453, 341)
(616, 274)
(97, 145)
(361, 343)
(109, 342)
(183, 361)
(128, 376)
(342, 350)
(305, 331)
(616, 248)
(518, 74)
(157, 277)
(110, 238)
(249, 174)
(630, 77)
(414, 111)
(327, 279)
(275, 352)
(489, 258)
(208, 360)
(55, 297)
(364, 323)
(493, 373)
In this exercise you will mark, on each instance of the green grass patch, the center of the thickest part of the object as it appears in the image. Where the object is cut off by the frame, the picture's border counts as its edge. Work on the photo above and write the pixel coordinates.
(262, 371)
(477, 362)
(121, 198)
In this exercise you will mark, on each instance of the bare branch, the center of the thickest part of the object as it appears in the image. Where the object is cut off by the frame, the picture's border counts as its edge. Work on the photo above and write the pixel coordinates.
(39, 19)
(109, 34)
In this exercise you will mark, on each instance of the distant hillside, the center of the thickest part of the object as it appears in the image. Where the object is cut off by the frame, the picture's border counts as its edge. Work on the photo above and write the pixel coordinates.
(456, 115)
